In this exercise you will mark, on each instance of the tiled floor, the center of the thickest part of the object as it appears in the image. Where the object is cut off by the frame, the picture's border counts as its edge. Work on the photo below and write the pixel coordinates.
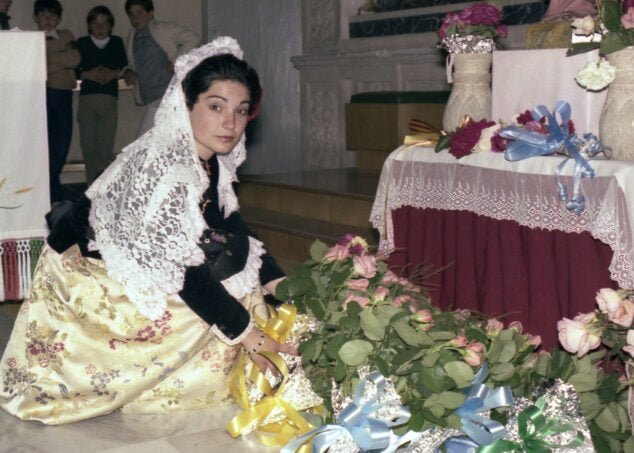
(191, 432)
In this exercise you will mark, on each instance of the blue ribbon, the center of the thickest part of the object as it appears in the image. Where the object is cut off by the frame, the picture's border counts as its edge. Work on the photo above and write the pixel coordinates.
(479, 429)
(357, 419)
(527, 144)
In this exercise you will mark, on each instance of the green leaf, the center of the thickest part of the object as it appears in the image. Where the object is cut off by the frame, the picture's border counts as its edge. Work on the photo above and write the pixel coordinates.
(581, 47)
(355, 352)
(502, 371)
(385, 313)
(590, 404)
(442, 335)
(316, 307)
(607, 421)
(340, 371)
(318, 250)
(435, 379)
(353, 308)
(629, 444)
(372, 327)
(620, 414)
(382, 366)
(508, 352)
(430, 359)
(410, 335)
(334, 344)
(444, 142)
(405, 356)
(609, 389)
(612, 42)
(350, 323)
(494, 352)
(451, 400)
(460, 372)
(543, 364)
(583, 382)
(611, 15)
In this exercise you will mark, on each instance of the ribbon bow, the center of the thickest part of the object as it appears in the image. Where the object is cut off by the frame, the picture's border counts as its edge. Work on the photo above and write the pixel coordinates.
(559, 139)
(278, 327)
(479, 429)
(534, 429)
(359, 421)
(426, 134)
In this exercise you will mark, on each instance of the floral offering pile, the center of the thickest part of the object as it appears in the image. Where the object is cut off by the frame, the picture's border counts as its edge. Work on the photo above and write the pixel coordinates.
(472, 30)
(371, 320)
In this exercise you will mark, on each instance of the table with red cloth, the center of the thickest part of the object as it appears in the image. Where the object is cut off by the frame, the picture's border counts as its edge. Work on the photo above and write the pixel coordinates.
(504, 240)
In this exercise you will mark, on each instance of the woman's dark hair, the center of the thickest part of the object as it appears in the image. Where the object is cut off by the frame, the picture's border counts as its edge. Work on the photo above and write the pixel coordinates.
(147, 5)
(221, 67)
(100, 11)
(52, 6)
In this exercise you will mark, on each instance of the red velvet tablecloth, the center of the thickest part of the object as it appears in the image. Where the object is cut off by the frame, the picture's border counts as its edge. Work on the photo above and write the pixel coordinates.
(500, 267)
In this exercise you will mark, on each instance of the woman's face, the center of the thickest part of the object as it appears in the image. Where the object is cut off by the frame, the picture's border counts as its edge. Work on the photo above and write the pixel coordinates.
(100, 27)
(219, 117)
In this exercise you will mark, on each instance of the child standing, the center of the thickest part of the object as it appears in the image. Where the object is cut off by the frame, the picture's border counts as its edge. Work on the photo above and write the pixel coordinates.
(103, 57)
(62, 57)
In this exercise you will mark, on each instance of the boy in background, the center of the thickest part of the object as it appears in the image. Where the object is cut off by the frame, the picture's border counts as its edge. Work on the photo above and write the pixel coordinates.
(102, 59)
(62, 57)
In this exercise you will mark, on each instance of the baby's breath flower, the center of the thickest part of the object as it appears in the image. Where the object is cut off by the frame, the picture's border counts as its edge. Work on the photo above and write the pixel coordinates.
(596, 76)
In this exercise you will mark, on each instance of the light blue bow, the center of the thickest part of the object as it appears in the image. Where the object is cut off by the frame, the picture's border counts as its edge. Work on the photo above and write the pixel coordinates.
(526, 143)
(479, 429)
(358, 419)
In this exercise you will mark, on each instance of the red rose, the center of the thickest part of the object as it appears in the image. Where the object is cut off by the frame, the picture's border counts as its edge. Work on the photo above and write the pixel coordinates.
(481, 14)
(465, 139)
(498, 144)
(524, 118)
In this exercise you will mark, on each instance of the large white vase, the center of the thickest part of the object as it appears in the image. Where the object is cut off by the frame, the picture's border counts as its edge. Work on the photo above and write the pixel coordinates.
(471, 92)
(616, 127)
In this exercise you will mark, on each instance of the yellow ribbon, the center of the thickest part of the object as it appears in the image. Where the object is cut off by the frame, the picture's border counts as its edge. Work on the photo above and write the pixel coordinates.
(279, 327)
(427, 134)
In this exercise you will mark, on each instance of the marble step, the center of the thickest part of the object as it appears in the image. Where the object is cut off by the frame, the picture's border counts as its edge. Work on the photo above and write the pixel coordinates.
(289, 237)
(338, 196)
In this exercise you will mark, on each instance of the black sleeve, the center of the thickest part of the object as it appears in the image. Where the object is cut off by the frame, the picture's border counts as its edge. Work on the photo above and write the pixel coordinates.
(270, 270)
(122, 57)
(206, 296)
(68, 223)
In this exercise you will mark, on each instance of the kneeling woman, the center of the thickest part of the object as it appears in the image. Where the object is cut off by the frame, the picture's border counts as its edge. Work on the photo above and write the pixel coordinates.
(149, 283)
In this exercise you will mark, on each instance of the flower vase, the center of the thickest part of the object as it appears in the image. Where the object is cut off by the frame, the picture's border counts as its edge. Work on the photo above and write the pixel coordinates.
(616, 127)
(471, 92)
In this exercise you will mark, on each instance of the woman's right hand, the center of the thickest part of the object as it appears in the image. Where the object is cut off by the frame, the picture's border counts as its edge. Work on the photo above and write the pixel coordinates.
(257, 341)
(130, 77)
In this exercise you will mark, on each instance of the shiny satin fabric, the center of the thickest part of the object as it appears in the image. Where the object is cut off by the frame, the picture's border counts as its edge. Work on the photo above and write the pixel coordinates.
(80, 349)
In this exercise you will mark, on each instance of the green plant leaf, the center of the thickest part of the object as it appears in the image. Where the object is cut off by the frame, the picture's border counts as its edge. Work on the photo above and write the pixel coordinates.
(382, 366)
(607, 421)
(508, 352)
(441, 335)
(583, 382)
(612, 42)
(609, 389)
(317, 250)
(372, 327)
(451, 400)
(385, 313)
(542, 366)
(435, 380)
(460, 372)
(355, 352)
(502, 371)
(590, 404)
(620, 414)
(410, 335)
(430, 359)
(611, 14)
(444, 142)
(495, 350)
(334, 344)
(582, 47)
(340, 371)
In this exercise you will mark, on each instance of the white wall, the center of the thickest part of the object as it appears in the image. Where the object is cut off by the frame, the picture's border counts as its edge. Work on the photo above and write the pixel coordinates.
(269, 32)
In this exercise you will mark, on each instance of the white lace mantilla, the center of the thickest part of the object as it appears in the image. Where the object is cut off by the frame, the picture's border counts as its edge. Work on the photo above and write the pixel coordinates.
(525, 192)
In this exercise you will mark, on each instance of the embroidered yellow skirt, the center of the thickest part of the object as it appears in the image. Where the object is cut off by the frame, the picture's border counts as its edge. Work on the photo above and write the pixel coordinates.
(79, 349)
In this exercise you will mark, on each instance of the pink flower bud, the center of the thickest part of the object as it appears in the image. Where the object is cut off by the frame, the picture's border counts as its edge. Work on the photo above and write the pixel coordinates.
(337, 253)
(359, 284)
(381, 293)
(460, 341)
(494, 326)
(422, 316)
(473, 358)
(365, 266)
(516, 326)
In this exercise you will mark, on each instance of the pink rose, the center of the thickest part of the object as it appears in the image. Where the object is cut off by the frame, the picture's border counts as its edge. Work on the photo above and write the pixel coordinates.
(494, 326)
(460, 341)
(627, 19)
(516, 326)
(608, 300)
(401, 300)
(359, 284)
(361, 300)
(624, 315)
(389, 278)
(577, 335)
(365, 266)
(337, 253)
(474, 354)
(422, 316)
(381, 292)
(447, 21)
(534, 340)
(630, 337)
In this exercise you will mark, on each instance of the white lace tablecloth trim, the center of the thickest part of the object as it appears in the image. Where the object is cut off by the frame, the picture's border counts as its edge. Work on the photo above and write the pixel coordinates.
(526, 192)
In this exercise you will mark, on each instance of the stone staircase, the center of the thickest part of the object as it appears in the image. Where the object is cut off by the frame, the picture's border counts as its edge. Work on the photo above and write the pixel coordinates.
(290, 211)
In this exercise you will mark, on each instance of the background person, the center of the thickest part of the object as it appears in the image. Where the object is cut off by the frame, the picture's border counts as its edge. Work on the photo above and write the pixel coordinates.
(62, 57)
(102, 59)
(4, 14)
(152, 48)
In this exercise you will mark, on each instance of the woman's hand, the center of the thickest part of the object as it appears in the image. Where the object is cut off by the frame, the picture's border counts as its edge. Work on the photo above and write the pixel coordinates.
(272, 285)
(257, 341)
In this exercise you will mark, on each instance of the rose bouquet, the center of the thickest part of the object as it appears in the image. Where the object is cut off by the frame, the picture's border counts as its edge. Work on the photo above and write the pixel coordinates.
(469, 137)
(472, 30)
(613, 30)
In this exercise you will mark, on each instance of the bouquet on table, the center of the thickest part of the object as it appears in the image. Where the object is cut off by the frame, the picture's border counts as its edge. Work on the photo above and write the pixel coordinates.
(611, 31)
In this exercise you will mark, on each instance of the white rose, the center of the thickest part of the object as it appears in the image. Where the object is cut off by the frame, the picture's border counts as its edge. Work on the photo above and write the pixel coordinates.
(577, 335)
(484, 144)
(608, 300)
(596, 76)
(583, 26)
